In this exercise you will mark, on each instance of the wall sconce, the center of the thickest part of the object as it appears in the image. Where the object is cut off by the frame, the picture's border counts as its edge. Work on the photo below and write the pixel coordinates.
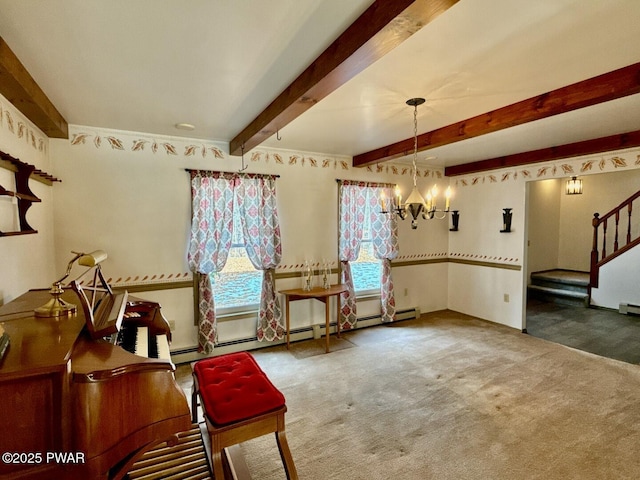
(574, 186)
(56, 307)
(455, 219)
(506, 220)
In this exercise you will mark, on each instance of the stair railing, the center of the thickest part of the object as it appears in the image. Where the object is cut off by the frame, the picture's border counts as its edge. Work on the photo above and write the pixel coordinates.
(599, 254)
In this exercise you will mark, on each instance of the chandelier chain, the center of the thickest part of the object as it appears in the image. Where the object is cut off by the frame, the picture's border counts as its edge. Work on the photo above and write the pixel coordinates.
(415, 142)
(415, 203)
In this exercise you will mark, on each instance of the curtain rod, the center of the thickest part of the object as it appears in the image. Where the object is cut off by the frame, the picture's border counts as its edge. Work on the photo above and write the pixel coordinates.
(230, 173)
(377, 184)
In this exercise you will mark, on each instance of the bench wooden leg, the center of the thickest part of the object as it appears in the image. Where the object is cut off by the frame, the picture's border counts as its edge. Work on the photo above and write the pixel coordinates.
(240, 430)
(194, 406)
(285, 454)
(218, 469)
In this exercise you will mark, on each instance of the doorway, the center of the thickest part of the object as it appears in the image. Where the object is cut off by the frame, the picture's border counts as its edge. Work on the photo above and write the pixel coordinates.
(559, 236)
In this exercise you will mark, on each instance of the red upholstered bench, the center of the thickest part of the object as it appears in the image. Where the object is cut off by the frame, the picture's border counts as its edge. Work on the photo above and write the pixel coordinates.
(239, 403)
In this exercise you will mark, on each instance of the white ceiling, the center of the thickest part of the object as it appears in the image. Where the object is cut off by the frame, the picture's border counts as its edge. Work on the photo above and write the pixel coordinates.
(145, 65)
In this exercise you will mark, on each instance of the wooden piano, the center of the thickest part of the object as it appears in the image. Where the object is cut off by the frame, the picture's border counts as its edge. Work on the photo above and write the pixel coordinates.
(68, 388)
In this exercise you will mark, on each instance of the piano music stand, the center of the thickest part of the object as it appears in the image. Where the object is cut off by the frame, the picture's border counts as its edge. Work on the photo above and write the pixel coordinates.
(102, 309)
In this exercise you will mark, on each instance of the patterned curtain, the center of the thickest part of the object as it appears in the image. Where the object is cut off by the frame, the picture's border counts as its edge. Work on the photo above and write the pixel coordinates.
(256, 196)
(212, 195)
(384, 236)
(353, 198)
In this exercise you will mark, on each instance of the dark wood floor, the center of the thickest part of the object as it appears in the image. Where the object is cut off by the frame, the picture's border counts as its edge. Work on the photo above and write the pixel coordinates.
(604, 332)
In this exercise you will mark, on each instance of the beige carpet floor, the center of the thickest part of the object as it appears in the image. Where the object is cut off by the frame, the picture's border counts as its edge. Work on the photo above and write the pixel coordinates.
(311, 348)
(452, 397)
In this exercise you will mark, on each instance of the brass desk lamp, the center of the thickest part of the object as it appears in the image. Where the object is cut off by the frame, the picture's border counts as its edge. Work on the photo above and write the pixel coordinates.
(56, 307)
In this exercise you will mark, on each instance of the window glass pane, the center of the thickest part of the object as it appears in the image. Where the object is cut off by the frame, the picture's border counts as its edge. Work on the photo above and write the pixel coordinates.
(239, 284)
(366, 269)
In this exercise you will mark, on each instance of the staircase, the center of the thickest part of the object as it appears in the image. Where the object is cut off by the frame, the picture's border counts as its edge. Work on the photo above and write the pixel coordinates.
(600, 253)
(565, 287)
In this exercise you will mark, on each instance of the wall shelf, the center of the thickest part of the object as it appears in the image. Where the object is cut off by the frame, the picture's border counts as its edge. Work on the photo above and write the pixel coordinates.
(25, 197)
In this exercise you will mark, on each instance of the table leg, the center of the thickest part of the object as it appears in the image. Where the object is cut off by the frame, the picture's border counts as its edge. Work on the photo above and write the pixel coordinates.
(338, 314)
(326, 320)
(286, 304)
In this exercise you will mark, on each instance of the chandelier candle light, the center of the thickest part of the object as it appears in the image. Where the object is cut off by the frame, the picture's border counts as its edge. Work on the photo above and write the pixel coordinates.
(415, 203)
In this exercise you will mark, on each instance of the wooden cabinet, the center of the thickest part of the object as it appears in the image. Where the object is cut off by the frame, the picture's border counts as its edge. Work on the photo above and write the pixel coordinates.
(23, 194)
(34, 378)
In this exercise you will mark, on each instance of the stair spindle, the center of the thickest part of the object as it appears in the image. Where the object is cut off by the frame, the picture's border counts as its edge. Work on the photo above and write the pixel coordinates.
(629, 224)
(604, 239)
(593, 278)
(615, 238)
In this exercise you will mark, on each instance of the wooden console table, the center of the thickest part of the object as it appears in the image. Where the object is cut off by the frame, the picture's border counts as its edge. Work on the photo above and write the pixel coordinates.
(319, 293)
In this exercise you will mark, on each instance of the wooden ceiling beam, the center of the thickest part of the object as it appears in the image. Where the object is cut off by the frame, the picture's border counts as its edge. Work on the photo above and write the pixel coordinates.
(586, 147)
(19, 87)
(603, 88)
(382, 27)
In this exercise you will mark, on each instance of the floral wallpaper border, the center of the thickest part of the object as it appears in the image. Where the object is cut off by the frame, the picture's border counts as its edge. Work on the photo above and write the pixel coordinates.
(15, 123)
(603, 163)
(185, 148)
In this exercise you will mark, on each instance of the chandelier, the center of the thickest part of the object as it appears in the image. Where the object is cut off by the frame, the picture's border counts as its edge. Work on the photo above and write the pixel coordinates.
(415, 204)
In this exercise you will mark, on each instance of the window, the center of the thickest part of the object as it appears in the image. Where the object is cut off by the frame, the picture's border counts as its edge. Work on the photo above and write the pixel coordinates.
(238, 286)
(366, 269)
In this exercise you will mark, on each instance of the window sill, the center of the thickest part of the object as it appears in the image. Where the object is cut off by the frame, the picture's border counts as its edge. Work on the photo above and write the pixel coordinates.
(251, 312)
(368, 295)
(236, 315)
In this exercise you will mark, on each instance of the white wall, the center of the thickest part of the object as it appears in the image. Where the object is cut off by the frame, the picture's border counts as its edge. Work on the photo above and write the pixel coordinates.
(543, 237)
(26, 261)
(619, 281)
(489, 284)
(129, 194)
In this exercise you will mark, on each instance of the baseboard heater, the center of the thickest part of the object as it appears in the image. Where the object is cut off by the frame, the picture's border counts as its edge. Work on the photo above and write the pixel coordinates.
(629, 309)
(407, 314)
(190, 354)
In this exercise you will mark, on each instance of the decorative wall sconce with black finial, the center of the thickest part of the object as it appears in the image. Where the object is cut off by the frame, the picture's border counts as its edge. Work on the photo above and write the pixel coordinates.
(455, 220)
(506, 220)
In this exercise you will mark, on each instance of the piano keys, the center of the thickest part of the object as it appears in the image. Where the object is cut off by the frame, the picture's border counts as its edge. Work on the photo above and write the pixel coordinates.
(139, 341)
(135, 324)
